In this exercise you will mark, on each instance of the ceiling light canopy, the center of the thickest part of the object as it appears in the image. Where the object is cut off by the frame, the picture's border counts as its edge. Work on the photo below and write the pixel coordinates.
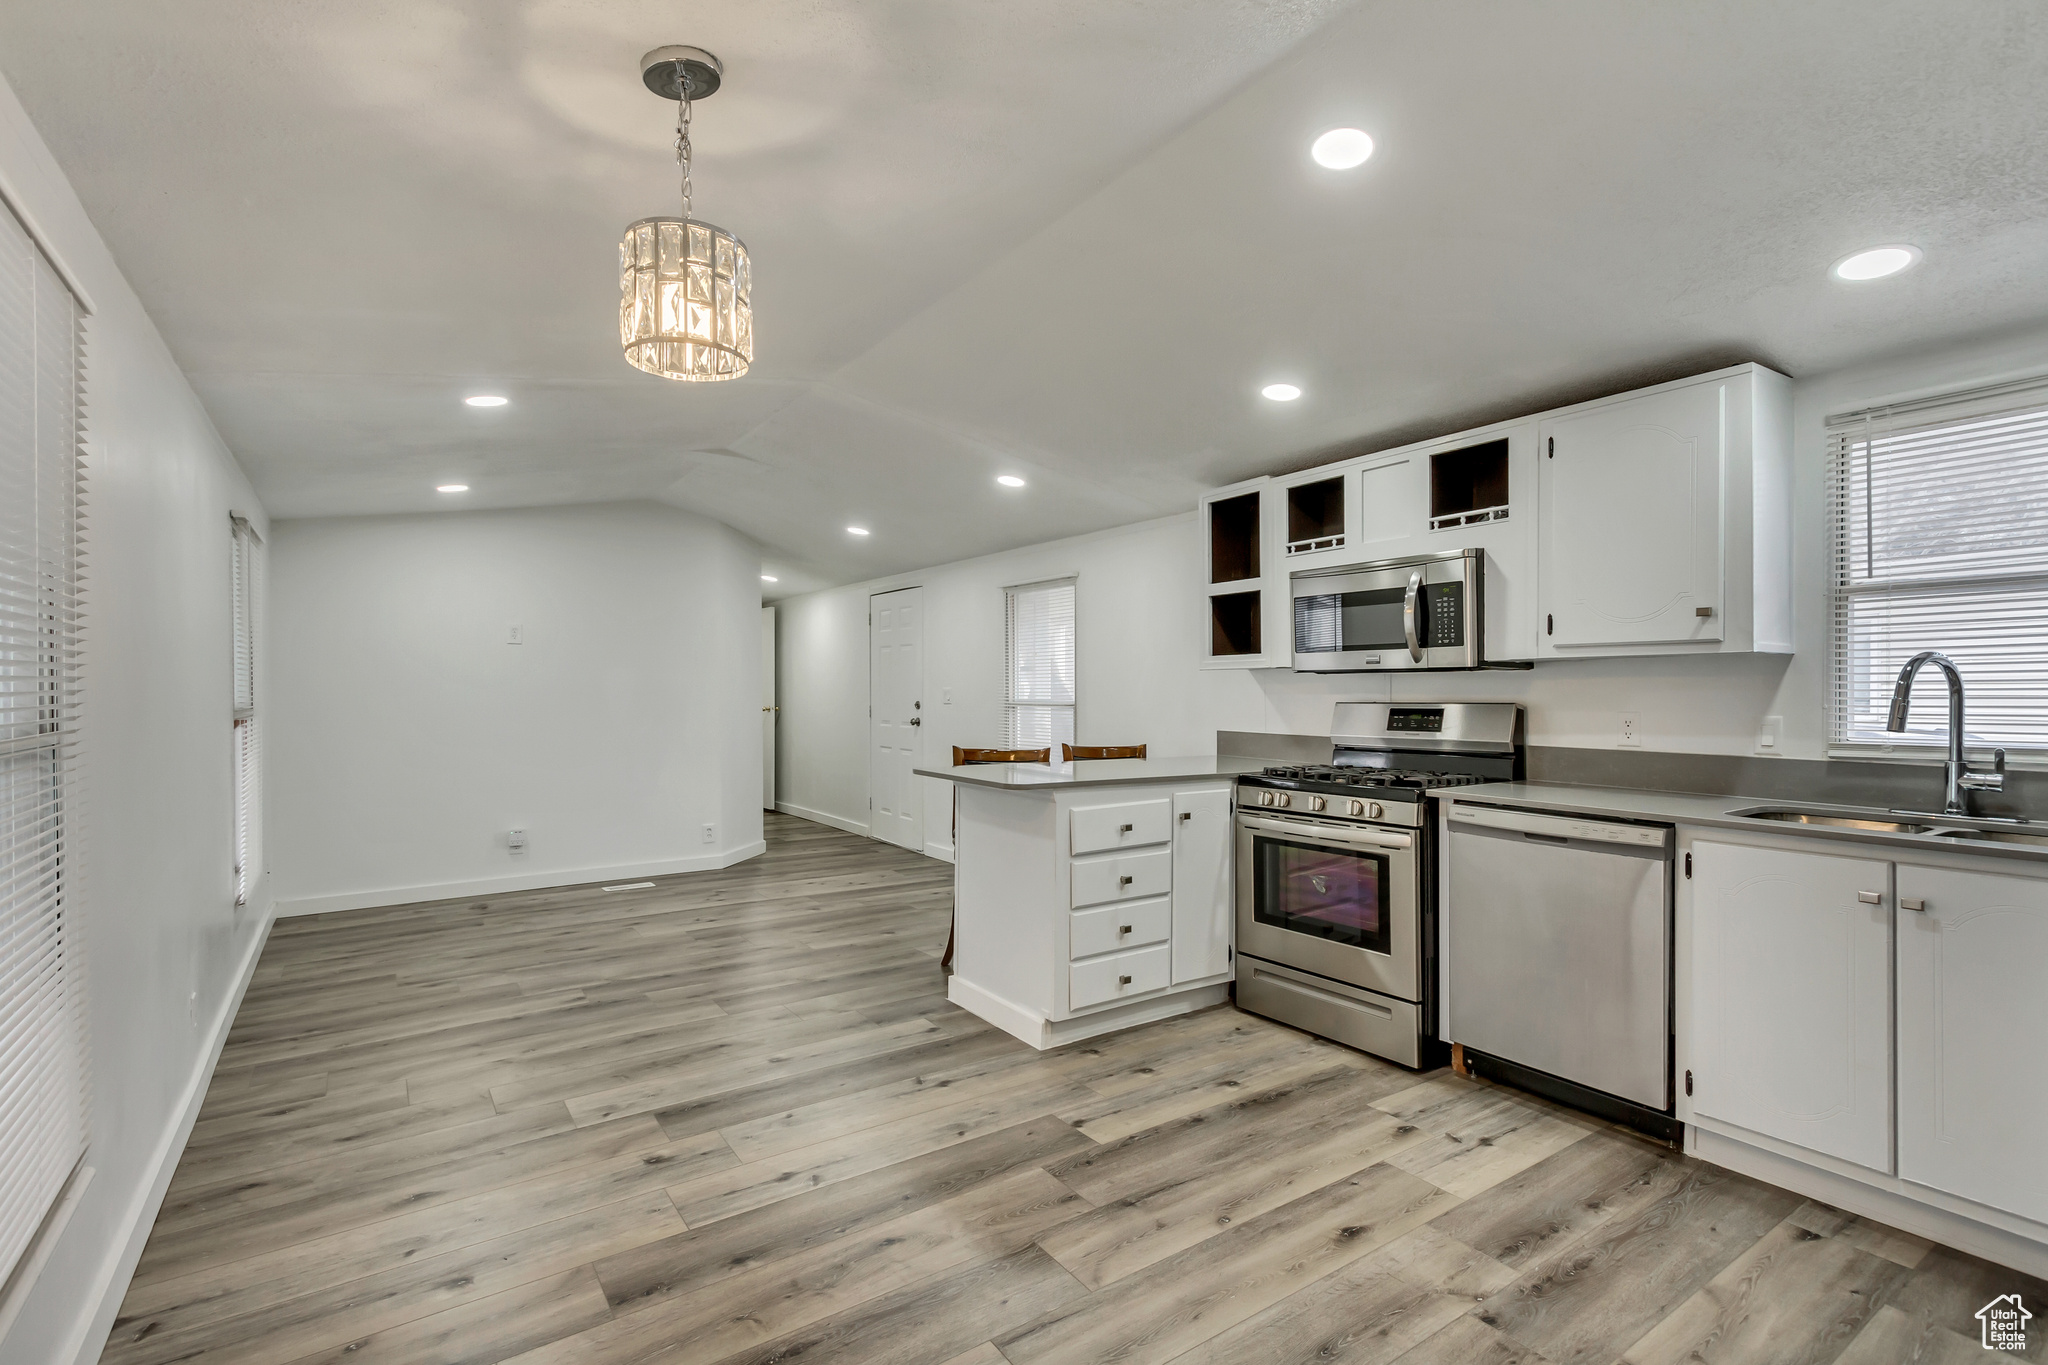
(1009, 481)
(451, 488)
(1281, 393)
(486, 400)
(856, 530)
(1341, 148)
(1876, 263)
(686, 288)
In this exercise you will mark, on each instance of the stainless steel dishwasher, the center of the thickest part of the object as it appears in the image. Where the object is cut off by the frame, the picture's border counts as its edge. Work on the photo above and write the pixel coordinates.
(1557, 943)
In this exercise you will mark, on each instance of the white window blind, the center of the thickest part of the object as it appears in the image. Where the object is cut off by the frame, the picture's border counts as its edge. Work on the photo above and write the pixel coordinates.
(1039, 662)
(1940, 541)
(248, 736)
(42, 1038)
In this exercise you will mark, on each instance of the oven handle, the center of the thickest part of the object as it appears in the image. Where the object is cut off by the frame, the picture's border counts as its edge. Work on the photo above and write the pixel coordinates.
(1330, 834)
(1408, 623)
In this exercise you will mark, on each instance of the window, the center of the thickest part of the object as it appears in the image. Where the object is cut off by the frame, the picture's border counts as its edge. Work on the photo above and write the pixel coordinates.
(1038, 696)
(42, 1032)
(248, 752)
(1940, 535)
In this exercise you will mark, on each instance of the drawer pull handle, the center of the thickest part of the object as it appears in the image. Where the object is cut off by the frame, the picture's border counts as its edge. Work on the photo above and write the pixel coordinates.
(1123, 981)
(1123, 829)
(1123, 881)
(1921, 906)
(1870, 897)
(1123, 928)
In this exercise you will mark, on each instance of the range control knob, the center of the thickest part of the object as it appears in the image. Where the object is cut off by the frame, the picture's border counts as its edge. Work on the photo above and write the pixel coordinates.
(1316, 803)
(1374, 810)
(1283, 799)
(1355, 808)
(1265, 798)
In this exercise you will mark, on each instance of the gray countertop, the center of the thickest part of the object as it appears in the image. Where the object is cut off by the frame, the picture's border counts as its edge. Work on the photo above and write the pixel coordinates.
(1715, 812)
(1101, 772)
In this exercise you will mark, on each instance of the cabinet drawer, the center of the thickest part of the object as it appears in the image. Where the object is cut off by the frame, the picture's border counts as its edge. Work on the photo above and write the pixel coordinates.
(1124, 825)
(1119, 977)
(1123, 879)
(1119, 926)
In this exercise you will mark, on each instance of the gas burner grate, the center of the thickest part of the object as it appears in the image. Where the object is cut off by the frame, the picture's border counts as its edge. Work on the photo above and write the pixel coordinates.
(1416, 778)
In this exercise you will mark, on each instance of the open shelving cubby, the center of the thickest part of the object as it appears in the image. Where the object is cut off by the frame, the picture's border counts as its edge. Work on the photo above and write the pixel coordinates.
(1234, 539)
(1468, 486)
(1315, 516)
(1234, 628)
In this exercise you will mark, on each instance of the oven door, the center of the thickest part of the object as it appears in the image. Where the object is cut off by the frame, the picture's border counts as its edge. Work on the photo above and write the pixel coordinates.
(1399, 615)
(1330, 898)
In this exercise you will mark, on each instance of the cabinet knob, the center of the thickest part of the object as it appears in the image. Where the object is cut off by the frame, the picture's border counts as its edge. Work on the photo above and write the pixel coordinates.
(1913, 905)
(1187, 815)
(1123, 928)
(1123, 829)
(1123, 881)
(1123, 981)
(1870, 897)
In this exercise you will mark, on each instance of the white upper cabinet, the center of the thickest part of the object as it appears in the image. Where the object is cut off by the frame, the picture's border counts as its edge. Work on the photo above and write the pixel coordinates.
(1246, 611)
(1973, 1036)
(1664, 520)
(1792, 997)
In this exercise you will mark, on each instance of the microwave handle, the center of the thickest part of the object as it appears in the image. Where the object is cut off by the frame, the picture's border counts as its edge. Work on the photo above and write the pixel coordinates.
(1409, 603)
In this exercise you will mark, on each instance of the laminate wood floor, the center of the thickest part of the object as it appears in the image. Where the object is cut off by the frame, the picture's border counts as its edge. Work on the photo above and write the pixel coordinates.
(732, 1118)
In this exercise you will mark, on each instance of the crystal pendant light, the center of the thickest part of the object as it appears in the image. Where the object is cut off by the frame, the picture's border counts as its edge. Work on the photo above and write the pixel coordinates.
(685, 287)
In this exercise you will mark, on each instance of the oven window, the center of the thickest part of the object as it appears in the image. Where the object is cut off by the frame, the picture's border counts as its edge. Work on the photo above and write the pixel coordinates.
(1337, 894)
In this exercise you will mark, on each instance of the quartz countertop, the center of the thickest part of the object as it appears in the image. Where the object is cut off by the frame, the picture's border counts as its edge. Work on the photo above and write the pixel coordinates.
(1717, 812)
(1094, 772)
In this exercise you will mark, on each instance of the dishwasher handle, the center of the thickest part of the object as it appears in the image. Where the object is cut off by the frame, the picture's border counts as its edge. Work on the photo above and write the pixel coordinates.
(1547, 827)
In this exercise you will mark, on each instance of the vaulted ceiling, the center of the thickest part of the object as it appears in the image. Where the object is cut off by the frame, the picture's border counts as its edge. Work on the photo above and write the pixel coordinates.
(1064, 239)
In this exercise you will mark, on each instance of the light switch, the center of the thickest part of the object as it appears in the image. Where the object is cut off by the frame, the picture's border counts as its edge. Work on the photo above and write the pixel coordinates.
(946, 695)
(513, 634)
(1770, 735)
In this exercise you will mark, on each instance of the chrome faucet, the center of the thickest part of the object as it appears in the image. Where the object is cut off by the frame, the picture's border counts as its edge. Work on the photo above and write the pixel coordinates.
(1957, 772)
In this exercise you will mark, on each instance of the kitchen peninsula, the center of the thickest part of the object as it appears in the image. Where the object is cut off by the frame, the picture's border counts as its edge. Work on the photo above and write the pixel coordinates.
(1091, 896)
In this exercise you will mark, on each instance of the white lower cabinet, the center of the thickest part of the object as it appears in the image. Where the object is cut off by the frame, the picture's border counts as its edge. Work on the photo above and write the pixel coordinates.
(1973, 1036)
(1792, 997)
(1120, 976)
(1203, 888)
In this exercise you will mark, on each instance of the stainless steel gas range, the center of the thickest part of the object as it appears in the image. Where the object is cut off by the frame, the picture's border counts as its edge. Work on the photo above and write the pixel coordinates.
(1336, 872)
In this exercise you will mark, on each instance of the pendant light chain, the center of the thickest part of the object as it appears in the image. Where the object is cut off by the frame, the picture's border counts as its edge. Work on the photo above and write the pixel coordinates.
(683, 133)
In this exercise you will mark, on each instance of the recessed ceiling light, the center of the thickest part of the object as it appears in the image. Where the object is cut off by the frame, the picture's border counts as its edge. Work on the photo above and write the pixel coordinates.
(451, 488)
(769, 578)
(1341, 148)
(486, 400)
(856, 530)
(1009, 481)
(1281, 393)
(1876, 263)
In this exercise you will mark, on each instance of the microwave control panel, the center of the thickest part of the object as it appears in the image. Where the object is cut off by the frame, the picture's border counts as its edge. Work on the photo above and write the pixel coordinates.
(1444, 623)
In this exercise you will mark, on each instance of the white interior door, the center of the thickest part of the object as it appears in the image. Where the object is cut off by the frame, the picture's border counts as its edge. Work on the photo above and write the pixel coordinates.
(769, 713)
(896, 715)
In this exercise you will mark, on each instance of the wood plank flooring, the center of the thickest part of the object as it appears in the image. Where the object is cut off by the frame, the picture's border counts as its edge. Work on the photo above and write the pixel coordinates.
(733, 1119)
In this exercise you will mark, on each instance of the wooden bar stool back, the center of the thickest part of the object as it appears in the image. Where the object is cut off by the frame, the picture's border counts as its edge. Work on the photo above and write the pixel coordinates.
(1070, 752)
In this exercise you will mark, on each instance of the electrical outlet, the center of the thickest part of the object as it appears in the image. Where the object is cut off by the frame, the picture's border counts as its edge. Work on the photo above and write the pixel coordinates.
(710, 833)
(515, 839)
(514, 635)
(946, 696)
(1770, 736)
(1631, 730)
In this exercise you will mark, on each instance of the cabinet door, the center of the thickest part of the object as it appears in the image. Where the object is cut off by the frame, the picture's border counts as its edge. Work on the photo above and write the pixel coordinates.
(1631, 537)
(1792, 990)
(1973, 1036)
(1202, 884)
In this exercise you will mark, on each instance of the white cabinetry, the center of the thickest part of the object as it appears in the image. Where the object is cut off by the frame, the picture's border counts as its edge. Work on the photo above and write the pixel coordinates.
(1084, 909)
(1664, 520)
(1791, 989)
(1243, 529)
(1973, 1036)
(1203, 884)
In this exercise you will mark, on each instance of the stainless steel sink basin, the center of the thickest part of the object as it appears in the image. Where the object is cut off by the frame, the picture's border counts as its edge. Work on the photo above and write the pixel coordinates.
(1996, 836)
(1874, 824)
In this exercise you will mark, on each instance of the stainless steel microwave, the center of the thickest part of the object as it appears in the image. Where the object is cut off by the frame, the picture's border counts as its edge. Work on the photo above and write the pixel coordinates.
(1421, 613)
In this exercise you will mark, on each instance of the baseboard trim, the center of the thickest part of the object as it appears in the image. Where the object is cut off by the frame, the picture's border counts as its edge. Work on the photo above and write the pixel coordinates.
(1028, 1026)
(526, 881)
(1870, 1201)
(943, 852)
(821, 818)
(90, 1337)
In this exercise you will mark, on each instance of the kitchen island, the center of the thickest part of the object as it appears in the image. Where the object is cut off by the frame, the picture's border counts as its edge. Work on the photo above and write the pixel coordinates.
(1091, 896)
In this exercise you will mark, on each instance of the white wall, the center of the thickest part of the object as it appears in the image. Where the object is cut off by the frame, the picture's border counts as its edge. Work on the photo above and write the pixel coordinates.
(1140, 640)
(165, 949)
(407, 736)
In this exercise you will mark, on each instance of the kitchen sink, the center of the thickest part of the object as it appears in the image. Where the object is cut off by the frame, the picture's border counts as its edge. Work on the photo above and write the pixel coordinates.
(1997, 836)
(1873, 824)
